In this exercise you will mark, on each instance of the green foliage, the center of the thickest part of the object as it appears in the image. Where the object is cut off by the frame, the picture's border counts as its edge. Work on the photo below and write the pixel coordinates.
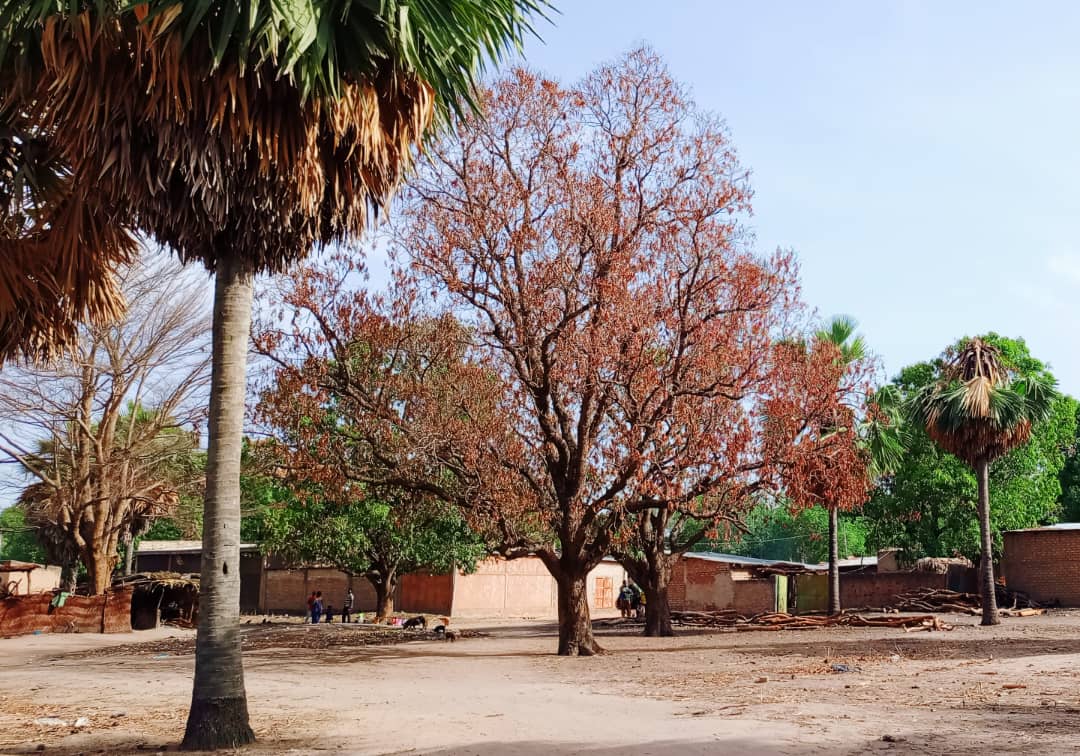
(18, 543)
(775, 532)
(928, 506)
(1070, 482)
(317, 43)
(371, 535)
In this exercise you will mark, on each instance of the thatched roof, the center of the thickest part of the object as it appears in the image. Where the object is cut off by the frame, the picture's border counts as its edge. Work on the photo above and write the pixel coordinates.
(164, 579)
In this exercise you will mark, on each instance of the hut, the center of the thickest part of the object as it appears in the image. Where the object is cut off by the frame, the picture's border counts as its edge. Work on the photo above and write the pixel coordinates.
(162, 598)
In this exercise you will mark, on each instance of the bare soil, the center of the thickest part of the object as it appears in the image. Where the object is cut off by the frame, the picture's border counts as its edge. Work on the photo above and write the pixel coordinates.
(1008, 689)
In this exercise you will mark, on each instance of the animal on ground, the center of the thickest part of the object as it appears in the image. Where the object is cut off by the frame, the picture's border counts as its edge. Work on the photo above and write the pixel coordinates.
(442, 632)
(419, 621)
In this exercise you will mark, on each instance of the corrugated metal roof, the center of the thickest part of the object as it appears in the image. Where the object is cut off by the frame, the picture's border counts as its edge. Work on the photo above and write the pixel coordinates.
(1059, 526)
(713, 556)
(180, 547)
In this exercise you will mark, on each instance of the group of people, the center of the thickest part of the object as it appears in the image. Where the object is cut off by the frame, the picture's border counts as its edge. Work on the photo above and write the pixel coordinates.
(631, 601)
(317, 611)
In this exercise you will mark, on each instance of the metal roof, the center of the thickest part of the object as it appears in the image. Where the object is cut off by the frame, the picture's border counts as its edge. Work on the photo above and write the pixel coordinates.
(181, 547)
(1059, 526)
(713, 556)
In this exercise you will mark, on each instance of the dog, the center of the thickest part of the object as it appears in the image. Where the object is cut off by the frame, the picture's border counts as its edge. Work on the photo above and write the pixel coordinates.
(417, 622)
(444, 633)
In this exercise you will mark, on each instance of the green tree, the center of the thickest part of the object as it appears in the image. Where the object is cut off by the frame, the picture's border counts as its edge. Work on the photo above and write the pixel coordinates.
(17, 540)
(778, 532)
(241, 135)
(380, 538)
(978, 409)
(928, 506)
(1070, 481)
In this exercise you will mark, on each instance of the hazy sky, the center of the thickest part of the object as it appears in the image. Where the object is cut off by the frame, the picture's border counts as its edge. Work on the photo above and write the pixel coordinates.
(922, 160)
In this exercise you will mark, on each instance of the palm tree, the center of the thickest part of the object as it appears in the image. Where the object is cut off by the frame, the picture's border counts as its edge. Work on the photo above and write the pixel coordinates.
(979, 410)
(851, 348)
(241, 135)
(880, 433)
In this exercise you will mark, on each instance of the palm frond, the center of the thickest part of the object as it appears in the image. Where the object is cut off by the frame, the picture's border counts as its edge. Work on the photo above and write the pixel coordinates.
(840, 331)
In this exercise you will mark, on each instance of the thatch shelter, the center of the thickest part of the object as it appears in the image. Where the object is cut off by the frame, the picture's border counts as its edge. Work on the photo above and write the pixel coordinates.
(163, 598)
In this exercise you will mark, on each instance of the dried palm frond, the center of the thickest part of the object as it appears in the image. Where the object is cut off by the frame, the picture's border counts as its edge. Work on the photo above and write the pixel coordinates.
(258, 130)
(58, 247)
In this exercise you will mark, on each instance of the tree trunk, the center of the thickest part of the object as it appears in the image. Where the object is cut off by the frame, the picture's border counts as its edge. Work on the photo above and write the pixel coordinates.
(575, 624)
(129, 555)
(68, 577)
(652, 575)
(219, 716)
(657, 607)
(834, 561)
(986, 571)
(99, 569)
(385, 586)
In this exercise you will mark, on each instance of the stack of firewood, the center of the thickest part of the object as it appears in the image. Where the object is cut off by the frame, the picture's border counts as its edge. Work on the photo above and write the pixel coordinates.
(1016, 604)
(729, 618)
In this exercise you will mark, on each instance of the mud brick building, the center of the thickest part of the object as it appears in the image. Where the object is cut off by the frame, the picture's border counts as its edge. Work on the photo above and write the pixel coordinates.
(1044, 563)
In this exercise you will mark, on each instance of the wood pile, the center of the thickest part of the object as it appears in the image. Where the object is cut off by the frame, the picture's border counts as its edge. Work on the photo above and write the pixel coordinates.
(729, 618)
(940, 600)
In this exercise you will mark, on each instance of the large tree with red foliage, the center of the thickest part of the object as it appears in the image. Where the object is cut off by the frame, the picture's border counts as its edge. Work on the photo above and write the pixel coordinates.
(590, 238)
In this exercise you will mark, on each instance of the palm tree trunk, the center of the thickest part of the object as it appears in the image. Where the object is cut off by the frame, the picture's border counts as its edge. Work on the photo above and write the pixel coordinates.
(129, 554)
(219, 717)
(986, 576)
(834, 562)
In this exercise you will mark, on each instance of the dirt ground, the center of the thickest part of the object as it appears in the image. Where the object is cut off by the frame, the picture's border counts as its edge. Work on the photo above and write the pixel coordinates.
(1009, 689)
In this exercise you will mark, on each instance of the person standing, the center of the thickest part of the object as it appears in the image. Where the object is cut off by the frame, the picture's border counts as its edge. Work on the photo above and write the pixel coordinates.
(626, 598)
(346, 608)
(310, 607)
(316, 608)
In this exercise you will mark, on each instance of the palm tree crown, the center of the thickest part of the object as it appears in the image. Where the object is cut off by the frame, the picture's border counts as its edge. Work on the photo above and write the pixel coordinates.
(979, 410)
(261, 128)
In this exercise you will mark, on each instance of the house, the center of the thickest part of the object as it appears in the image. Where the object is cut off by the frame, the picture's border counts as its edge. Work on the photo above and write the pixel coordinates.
(184, 557)
(708, 581)
(705, 581)
(497, 588)
(22, 578)
(1044, 563)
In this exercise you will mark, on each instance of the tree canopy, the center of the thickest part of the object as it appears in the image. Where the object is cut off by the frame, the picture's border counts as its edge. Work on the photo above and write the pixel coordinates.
(928, 506)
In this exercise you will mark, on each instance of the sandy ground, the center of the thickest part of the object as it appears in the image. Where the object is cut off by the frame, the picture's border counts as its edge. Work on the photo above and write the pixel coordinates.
(1009, 689)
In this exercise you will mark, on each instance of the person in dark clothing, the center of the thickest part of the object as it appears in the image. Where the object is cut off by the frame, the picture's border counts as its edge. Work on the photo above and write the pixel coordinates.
(626, 598)
(346, 608)
(317, 608)
(310, 607)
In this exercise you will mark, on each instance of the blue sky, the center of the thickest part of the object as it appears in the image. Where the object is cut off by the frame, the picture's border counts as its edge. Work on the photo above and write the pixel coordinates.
(922, 160)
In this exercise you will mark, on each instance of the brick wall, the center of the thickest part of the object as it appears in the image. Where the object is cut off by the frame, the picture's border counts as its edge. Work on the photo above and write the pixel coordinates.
(707, 585)
(285, 591)
(1045, 564)
(863, 589)
(754, 596)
